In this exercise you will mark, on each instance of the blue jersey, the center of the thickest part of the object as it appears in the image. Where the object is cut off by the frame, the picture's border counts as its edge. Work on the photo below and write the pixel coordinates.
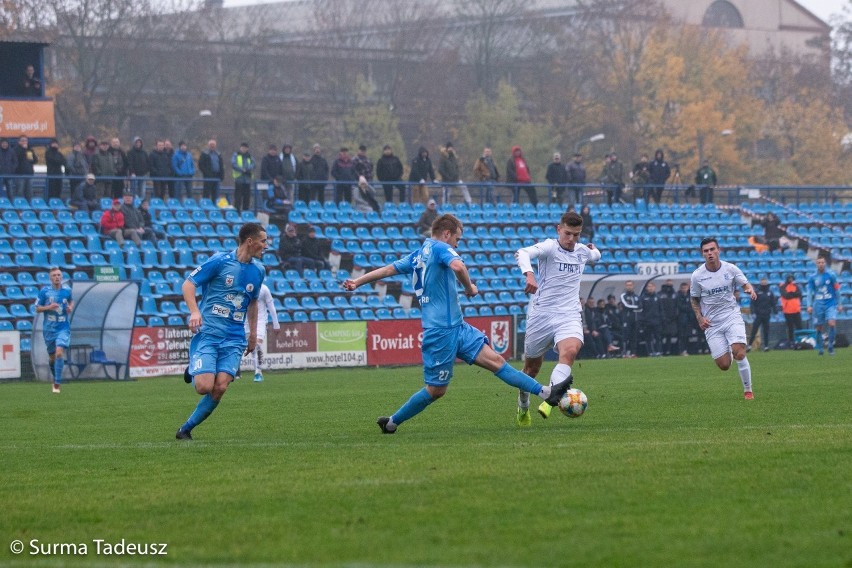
(58, 319)
(227, 288)
(434, 283)
(823, 288)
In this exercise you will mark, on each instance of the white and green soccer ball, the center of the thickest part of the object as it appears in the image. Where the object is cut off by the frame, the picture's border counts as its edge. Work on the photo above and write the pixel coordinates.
(573, 404)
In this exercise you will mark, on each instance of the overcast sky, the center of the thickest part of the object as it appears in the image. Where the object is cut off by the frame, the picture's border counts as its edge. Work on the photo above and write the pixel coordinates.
(822, 8)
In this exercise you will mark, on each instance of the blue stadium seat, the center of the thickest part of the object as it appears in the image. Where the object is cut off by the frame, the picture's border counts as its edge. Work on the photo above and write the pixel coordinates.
(367, 314)
(156, 321)
(176, 321)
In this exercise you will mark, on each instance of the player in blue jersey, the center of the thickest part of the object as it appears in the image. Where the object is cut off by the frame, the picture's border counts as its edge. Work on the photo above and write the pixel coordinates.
(824, 303)
(229, 284)
(434, 268)
(55, 303)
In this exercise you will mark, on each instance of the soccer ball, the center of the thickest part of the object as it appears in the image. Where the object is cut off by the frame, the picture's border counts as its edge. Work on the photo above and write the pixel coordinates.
(574, 403)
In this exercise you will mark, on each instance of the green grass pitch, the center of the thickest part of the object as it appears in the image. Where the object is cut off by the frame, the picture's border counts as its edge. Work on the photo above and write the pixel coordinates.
(668, 467)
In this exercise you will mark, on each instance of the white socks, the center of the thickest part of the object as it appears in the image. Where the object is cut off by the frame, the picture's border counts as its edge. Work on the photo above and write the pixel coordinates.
(560, 373)
(523, 399)
(745, 373)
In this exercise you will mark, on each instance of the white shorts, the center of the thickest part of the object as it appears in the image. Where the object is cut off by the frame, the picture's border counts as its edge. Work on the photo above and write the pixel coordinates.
(720, 337)
(544, 331)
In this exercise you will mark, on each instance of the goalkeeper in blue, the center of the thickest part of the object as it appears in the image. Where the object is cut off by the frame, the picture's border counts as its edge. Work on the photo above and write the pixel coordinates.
(824, 303)
(434, 268)
(229, 283)
(56, 304)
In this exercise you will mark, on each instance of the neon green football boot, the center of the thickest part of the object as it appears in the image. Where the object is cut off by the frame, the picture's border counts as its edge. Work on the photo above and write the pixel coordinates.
(523, 419)
(544, 409)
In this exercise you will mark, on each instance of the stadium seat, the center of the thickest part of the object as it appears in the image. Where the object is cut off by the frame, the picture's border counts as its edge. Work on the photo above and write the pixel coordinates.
(156, 321)
(367, 314)
(176, 321)
(6, 325)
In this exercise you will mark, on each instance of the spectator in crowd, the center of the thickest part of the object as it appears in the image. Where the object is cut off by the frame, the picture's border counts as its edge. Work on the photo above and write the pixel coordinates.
(343, 172)
(303, 174)
(791, 306)
(112, 225)
(212, 169)
(365, 197)
(27, 160)
(772, 231)
(76, 166)
(421, 174)
(184, 167)
(612, 177)
(161, 167)
(668, 320)
(270, 165)
(659, 172)
(31, 84)
(389, 172)
(640, 178)
(588, 232)
(148, 221)
(604, 328)
(485, 172)
(243, 166)
(134, 222)
(291, 253)
(577, 176)
(762, 308)
(138, 167)
(684, 321)
(613, 312)
(55, 161)
(289, 165)
(363, 164)
(518, 172)
(651, 319)
(319, 171)
(170, 151)
(448, 168)
(84, 196)
(8, 167)
(705, 180)
(593, 343)
(103, 166)
(90, 150)
(313, 248)
(632, 308)
(424, 223)
(119, 166)
(557, 177)
(277, 201)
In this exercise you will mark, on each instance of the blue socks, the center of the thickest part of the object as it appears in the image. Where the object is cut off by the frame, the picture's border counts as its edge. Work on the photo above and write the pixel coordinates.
(415, 405)
(831, 332)
(58, 367)
(819, 339)
(205, 408)
(518, 379)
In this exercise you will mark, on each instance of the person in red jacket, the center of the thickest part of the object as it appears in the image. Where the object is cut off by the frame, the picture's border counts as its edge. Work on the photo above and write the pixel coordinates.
(112, 225)
(518, 172)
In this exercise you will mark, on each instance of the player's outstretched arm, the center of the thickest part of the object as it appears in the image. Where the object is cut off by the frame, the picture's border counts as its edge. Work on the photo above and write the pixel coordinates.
(251, 314)
(524, 258)
(377, 274)
(188, 290)
(463, 276)
(749, 289)
(703, 322)
(595, 253)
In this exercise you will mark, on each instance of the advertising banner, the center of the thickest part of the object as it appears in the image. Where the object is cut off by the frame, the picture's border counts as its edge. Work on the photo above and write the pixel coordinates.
(26, 118)
(398, 342)
(311, 345)
(159, 351)
(10, 354)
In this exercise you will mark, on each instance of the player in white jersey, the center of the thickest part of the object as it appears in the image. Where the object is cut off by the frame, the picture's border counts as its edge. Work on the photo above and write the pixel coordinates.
(718, 313)
(265, 308)
(554, 314)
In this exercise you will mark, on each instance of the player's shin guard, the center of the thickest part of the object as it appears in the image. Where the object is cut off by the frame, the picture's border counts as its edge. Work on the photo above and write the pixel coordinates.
(415, 405)
(205, 408)
(58, 367)
(517, 379)
(523, 399)
(745, 373)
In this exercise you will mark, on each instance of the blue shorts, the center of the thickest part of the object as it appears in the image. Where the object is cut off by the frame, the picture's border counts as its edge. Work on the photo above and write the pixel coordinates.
(215, 355)
(441, 347)
(823, 313)
(58, 338)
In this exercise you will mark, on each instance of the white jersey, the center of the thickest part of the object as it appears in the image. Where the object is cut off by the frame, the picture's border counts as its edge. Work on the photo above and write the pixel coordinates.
(559, 274)
(265, 308)
(716, 290)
